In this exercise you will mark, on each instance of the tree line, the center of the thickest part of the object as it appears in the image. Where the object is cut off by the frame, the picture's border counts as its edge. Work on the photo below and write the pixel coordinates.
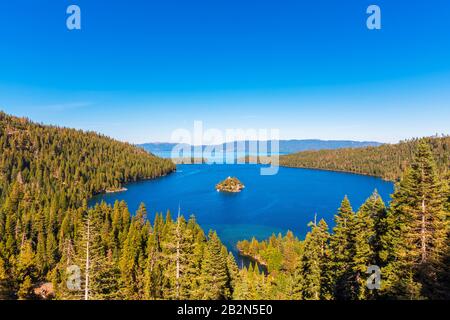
(388, 161)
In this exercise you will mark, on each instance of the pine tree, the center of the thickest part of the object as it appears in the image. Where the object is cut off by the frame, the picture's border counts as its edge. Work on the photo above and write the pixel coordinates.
(196, 256)
(133, 258)
(444, 274)
(214, 274)
(233, 274)
(367, 233)
(52, 254)
(342, 244)
(153, 274)
(416, 241)
(107, 284)
(254, 285)
(177, 249)
(41, 257)
(26, 270)
(5, 290)
(98, 274)
(310, 274)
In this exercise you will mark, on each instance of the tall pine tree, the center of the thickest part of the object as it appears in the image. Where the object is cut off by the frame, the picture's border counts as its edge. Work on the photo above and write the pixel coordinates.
(342, 246)
(416, 240)
(310, 276)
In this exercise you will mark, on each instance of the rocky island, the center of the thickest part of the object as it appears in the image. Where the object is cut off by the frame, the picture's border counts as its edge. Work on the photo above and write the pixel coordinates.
(230, 184)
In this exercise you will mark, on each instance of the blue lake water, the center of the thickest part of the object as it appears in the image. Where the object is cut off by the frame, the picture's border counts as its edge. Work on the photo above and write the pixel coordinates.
(268, 204)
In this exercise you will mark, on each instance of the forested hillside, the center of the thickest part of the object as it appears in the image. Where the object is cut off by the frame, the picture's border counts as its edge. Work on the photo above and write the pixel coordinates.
(47, 171)
(408, 242)
(388, 161)
(53, 246)
(132, 259)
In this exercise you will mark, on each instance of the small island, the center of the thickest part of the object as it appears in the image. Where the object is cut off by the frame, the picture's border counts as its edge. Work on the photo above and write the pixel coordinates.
(230, 184)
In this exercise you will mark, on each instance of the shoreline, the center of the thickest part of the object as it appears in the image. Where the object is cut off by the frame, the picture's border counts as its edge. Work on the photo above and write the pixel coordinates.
(251, 161)
(123, 189)
(340, 171)
(260, 264)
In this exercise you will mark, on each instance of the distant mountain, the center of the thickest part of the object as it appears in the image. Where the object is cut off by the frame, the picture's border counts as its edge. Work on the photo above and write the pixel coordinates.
(286, 146)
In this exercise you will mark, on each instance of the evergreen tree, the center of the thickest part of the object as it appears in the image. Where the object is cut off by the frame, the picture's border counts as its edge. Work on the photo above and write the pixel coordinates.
(342, 246)
(107, 284)
(177, 249)
(416, 241)
(26, 269)
(133, 258)
(214, 274)
(367, 232)
(310, 274)
(253, 285)
(5, 290)
(233, 274)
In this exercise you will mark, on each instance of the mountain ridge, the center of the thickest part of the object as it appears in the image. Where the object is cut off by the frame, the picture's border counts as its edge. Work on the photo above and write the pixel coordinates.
(285, 146)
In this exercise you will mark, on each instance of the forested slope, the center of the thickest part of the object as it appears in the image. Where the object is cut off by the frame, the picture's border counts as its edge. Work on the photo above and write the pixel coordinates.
(48, 160)
(45, 171)
(408, 243)
(388, 161)
(53, 246)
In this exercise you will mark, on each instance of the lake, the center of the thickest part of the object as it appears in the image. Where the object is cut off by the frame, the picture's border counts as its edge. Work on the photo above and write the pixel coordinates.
(268, 204)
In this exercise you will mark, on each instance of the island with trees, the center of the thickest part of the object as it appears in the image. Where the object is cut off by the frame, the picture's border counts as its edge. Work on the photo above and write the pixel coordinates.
(230, 184)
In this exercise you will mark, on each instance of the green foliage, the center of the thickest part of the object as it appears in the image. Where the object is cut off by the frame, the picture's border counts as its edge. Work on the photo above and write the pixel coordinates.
(214, 282)
(342, 244)
(417, 239)
(171, 259)
(388, 161)
(253, 285)
(409, 242)
(47, 174)
(276, 254)
(310, 276)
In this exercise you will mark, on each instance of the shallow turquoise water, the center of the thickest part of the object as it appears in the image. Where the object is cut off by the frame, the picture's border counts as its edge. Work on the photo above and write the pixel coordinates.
(268, 204)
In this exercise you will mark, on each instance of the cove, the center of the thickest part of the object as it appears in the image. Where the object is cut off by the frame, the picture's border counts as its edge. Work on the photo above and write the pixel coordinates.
(268, 204)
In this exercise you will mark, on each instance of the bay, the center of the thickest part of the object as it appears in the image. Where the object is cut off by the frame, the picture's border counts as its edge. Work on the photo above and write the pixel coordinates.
(286, 201)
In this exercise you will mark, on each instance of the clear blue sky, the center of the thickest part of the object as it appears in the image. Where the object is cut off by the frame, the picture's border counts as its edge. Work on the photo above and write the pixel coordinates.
(139, 69)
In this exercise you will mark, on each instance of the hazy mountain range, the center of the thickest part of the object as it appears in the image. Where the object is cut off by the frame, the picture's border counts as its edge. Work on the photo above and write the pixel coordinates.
(285, 146)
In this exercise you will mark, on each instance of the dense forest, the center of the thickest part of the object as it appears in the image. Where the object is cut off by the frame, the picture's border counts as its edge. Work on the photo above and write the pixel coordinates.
(409, 242)
(47, 171)
(388, 161)
(53, 246)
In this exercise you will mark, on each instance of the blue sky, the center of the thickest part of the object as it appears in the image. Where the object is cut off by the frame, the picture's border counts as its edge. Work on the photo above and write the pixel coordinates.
(140, 69)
